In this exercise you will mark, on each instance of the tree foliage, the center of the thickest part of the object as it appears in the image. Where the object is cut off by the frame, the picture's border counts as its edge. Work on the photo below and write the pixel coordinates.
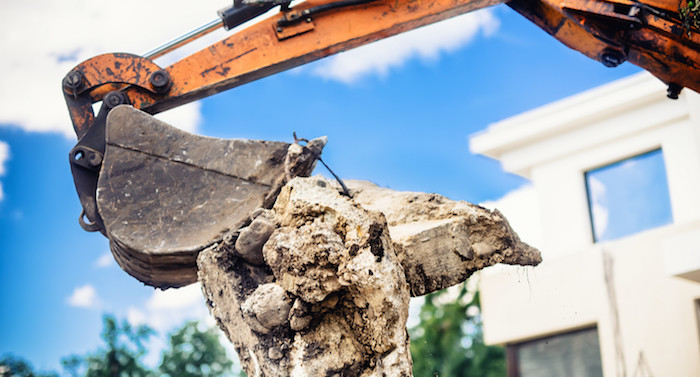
(448, 340)
(194, 352)
(119, 357)
(13, 366)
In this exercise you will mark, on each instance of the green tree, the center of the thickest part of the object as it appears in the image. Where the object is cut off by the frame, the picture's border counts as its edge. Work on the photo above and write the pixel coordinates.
(119, 357)
(448, 340)
(13, 366)
(194, 352)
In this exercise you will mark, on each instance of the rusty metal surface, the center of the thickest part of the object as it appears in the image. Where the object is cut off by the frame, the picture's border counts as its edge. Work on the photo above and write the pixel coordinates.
(649, 34)
(164, 194)
(652, 35)
(258, 52)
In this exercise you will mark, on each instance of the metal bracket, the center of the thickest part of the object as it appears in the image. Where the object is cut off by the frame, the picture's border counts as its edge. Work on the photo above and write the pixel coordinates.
(289, 31)
(86, 157)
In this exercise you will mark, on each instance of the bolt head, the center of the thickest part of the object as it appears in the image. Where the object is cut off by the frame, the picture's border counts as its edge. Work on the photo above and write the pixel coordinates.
(612, 59)
(73, 80)
(673, 91)
(114, 99)
(160, 81)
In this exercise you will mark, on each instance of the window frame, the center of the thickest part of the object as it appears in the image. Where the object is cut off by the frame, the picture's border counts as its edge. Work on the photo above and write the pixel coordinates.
(620, 161)
(512, 363)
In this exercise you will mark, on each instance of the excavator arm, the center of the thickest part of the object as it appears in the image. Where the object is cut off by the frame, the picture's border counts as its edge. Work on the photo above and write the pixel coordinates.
(297, 36)
(660, 36)
(655, 35)
(310, 31)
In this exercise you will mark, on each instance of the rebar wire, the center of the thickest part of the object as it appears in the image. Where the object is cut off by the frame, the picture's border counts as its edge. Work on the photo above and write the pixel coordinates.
(340, 181)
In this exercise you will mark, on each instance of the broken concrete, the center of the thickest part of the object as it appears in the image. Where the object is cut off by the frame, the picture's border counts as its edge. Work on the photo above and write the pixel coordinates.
(442, 241)
(251, 240)
(330, 295)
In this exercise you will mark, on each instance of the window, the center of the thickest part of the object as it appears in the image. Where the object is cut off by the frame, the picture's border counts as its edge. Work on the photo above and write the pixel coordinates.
(574, 354)
(628, 196)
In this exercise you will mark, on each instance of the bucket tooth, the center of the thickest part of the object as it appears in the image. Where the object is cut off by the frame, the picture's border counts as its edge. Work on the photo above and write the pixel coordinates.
(165, 194)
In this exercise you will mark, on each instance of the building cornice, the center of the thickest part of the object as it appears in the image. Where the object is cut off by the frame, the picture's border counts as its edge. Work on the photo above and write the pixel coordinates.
(537, 129)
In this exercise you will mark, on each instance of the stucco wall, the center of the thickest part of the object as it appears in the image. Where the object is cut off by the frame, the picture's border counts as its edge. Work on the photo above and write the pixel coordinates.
(655, 311)
(644, 304)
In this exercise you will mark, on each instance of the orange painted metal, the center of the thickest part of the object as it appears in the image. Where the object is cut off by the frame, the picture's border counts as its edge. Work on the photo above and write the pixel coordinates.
(258, 52)
(649, 35)
(118, 68)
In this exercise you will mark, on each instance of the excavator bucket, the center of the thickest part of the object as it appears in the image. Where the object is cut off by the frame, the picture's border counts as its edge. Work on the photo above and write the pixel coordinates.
(164, 194)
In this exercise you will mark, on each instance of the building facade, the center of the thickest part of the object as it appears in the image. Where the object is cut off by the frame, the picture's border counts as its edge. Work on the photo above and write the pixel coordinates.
(615, 204)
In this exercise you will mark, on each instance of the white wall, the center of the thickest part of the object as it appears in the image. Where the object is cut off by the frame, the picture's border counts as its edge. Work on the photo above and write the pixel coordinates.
(648, 282)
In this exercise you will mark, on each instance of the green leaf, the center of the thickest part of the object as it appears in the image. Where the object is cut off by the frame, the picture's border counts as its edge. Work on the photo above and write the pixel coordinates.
(448, 340)
(195, 352)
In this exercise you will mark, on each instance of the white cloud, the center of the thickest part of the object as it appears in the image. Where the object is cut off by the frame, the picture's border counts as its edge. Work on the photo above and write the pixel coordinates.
(414, 307)
(84, 297)
(35, 59)
(4, 156)
(166, 309)
(599, 206)
(136, 316)
(105, 260)
(176, 299)
(521, 208)
(187, 117)
(426, 43)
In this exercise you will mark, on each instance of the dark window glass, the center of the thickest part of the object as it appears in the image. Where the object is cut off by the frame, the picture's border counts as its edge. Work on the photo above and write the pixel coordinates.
(574, 354)
(629, 196)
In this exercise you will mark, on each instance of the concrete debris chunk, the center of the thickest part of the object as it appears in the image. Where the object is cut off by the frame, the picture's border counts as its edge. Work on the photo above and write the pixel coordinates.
(267, 308)
(331, 293)
(442, 242)
(250, 242)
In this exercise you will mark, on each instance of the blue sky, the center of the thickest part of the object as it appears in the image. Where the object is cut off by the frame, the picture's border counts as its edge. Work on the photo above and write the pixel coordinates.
(629, 196)
(398, 115)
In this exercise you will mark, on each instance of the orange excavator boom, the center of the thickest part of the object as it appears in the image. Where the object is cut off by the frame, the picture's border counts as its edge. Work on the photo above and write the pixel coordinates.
(109, 164)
